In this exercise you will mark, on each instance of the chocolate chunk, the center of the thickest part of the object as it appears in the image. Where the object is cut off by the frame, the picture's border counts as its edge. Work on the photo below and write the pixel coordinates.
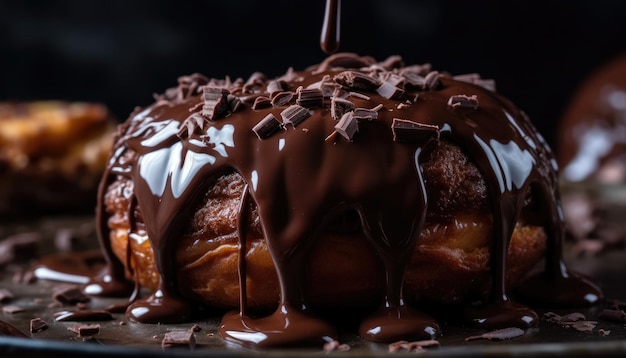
(405, 131)
(179, 339)
(267, 126)
(499, 335)
(431, 81)
(5, 295)
(357, 80)
(334, 345)
(463, 101)
(389, 90)
(339, 106)
(215, 102)
(310, 98)
(414, 81)
(85, 330)
(9, 330)
(234, 103)
(37, 325)
(276, 86)
(348, 126)
(294, 115)
(282, 99)
(261, 102)
(70, 295)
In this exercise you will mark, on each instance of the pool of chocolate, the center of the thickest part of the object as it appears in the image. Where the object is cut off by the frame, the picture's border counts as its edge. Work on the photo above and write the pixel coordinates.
(89, 331)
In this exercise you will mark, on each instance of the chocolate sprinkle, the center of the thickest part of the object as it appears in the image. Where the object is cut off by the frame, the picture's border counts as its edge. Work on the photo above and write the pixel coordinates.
(267, 126)
(294, 115)
(405, 131)
(348, 126)
(463, 101)
(499, 334)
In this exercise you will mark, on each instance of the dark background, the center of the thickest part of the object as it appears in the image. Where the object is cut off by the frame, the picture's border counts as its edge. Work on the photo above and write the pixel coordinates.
(120, 52)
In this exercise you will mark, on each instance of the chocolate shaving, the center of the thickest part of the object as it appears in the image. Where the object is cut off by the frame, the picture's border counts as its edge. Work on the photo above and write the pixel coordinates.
(5, 295)
(366, 114)
(194, 124)
(414, 80)
(416, 346)
(357, 80)
(348, 126)
(392, 62)
(9, 330)
(310, 98)
(575, 320)
(463, 101)
(12, 309)
(85, 330)
(498, 335)
(261, 102)
(359, 95)
(340, 106)
(405, 131)
(431, 81)
(215, 102)
(294, 115)
(179, 339)
(70, 295)
(282, 99)
(334, 345)
(38, 325)
(234, 103)
(267, 126)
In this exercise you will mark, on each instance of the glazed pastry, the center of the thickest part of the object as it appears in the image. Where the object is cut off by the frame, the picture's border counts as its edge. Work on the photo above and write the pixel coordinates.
(354, 182)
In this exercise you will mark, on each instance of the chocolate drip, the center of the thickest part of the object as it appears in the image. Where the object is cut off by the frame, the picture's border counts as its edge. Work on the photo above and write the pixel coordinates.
(329, 40)
(299, 182)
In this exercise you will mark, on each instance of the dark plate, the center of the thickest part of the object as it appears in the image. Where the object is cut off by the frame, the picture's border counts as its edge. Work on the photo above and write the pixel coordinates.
(144, 340)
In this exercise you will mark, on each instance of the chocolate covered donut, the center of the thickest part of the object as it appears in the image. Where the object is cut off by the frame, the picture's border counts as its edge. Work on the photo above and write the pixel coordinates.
(351, 183)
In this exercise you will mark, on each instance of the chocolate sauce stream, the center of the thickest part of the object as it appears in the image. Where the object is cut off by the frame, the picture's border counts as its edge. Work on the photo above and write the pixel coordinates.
(330, 37)
(298, 179)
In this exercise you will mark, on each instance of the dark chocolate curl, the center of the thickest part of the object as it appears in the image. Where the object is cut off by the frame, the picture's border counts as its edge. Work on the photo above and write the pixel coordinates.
(267, 126)
(294, 115)
(431, 80)
(261, 102)
(405, 131)
(282, 99)
(389, 90)
(463, 101)
(348, 126)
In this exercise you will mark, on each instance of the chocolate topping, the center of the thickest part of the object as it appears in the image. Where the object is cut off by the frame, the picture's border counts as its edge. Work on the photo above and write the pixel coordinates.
(298, 181)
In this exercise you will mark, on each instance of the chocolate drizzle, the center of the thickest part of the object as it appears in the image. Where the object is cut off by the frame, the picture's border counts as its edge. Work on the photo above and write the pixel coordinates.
(298, 180)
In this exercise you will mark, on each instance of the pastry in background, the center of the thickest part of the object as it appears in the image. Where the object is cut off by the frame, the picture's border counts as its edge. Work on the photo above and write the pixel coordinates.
(52, 154)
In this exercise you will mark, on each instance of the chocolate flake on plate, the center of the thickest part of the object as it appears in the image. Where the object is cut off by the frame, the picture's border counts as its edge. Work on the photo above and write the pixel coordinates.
(37, 325)
(405, 131)
(334, 345)
(498, 335)
(294, 115)
(179, 339)
(575, 320)
(415, 347)
(267, 126)
(12, 309)
(463, 101)
(70, 295)
(85, 330)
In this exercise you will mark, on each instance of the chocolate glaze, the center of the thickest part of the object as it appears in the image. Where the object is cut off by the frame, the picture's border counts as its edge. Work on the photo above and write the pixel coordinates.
(299, 178)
